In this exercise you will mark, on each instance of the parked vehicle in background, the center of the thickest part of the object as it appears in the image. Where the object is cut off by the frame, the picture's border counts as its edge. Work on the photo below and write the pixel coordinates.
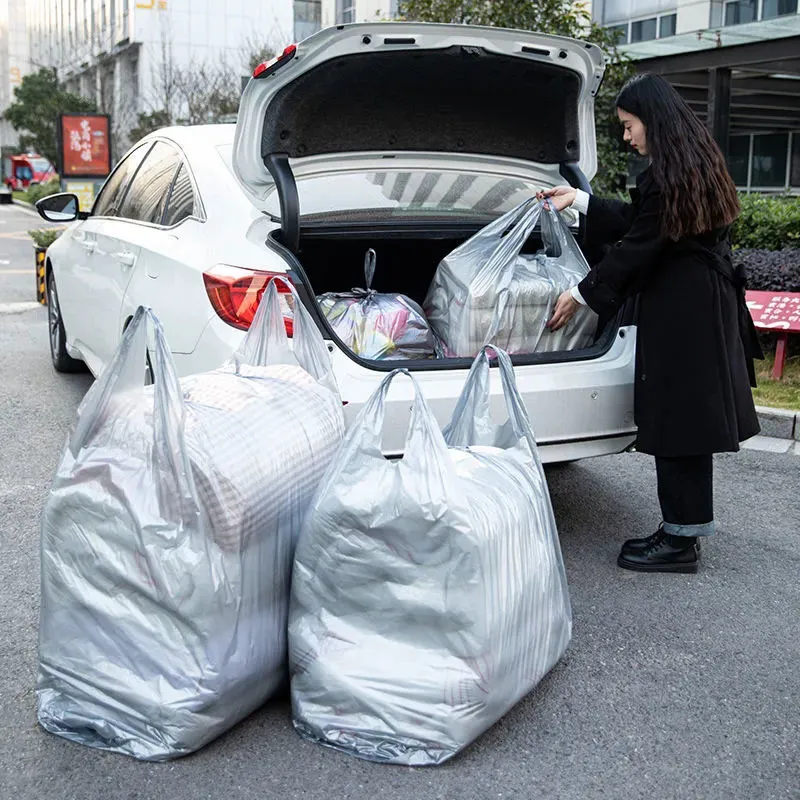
(402, 137)
(27, 169)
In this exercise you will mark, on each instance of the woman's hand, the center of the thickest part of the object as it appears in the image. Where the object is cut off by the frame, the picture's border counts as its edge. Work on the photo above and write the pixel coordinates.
(560, 197)
(565, 309)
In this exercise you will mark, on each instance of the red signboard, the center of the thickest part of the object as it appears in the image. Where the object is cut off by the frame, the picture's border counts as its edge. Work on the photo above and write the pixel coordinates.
(779, 311)
(84, 145)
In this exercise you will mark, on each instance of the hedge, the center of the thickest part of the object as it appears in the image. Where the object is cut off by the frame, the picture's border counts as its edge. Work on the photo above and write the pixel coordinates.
(767, 222)
(40, 190)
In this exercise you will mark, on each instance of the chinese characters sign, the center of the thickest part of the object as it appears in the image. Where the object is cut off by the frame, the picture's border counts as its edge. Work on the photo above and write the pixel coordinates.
(778, 311)
(85, 146)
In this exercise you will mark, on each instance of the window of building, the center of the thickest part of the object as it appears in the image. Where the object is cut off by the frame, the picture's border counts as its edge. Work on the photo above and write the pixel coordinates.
(145, 199)
(345, 11)
(667, 25)
(770, 151)
(794, 177)
(623, 32)
(643, 30)
(738, 158)
(741, 11)
(759, 161)
(778, 8)
(307, 18)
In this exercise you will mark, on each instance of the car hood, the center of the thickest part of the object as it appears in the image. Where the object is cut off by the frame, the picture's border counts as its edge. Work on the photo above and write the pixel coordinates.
(394, 89)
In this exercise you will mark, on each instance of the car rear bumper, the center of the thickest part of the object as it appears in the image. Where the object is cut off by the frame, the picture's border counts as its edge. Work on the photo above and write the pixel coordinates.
(578, 409)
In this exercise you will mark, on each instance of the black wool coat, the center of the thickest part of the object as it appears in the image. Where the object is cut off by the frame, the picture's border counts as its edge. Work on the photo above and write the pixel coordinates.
(695, 339)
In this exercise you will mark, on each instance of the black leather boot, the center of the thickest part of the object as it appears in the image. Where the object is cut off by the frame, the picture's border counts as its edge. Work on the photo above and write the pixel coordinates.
(665, 553)
(638, 545)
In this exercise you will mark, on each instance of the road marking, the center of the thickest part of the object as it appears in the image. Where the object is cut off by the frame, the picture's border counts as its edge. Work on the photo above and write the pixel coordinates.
(19, 235)
(18, 308)
(17, 271)
(4, 261)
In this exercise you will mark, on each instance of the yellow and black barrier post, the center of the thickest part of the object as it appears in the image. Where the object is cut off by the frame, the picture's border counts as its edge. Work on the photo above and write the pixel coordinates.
(41, 288)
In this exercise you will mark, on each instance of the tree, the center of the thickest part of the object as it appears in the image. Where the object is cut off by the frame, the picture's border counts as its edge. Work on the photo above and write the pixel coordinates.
(561, 18)
(38, 101)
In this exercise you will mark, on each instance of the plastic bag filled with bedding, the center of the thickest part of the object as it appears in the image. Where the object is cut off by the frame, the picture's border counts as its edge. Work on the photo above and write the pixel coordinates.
(485, 290)
(377, 325)
(167, 545)
(429, 593)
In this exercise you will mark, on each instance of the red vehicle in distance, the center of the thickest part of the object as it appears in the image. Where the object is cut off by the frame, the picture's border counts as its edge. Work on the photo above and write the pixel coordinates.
(26, 169)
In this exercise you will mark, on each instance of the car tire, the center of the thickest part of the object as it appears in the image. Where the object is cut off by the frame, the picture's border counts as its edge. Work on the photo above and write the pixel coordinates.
(62, 360)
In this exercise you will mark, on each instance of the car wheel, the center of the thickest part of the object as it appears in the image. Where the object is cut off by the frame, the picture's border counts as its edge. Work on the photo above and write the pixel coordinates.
(62, 360)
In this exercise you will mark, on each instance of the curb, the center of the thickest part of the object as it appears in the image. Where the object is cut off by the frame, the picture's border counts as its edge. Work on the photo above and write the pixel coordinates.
(779, 423)
(24, 204)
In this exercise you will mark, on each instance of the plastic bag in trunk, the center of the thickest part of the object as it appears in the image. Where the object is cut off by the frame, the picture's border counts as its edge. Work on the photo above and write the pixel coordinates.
(485, 290)
(429, 593)
(167, 544)
(375, 325)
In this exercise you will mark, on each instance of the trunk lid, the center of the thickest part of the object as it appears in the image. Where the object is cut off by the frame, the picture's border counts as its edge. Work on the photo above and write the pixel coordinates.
(501, 98)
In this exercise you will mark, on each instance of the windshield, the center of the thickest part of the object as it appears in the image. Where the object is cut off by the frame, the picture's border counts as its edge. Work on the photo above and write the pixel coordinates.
(407, 193)
(40, 164)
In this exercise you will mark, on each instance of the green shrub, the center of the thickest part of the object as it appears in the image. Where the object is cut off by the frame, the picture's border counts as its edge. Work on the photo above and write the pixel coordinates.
(41, 190)
(767, 223)
(44, 237)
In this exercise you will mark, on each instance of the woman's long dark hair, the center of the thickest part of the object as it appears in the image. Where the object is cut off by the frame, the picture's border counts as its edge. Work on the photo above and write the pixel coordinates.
(688, 166)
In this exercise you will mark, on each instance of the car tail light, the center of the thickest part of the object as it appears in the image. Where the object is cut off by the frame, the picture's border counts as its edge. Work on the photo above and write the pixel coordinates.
(235, 293)
(268, 67)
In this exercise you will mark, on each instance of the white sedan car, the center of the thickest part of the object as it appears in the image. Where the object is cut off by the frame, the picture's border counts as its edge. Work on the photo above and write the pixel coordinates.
(404, 138)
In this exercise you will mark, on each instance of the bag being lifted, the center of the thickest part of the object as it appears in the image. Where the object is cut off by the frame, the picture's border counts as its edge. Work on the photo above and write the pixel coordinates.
(167, 543)
(428, 594)
(486, 291)
(375, 325)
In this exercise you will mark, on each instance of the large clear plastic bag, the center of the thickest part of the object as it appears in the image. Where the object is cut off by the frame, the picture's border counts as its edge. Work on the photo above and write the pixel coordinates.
(167, 545)
(375, 325)
(429, 593)
(485, 290)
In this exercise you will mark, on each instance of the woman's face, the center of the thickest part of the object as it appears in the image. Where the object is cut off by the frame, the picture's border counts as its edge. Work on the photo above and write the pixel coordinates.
(635, 134)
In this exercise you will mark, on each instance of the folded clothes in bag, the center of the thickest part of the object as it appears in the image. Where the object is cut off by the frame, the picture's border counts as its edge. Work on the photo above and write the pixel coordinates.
(429, 593)
(377, 325)
(167, 543)
(485, 290)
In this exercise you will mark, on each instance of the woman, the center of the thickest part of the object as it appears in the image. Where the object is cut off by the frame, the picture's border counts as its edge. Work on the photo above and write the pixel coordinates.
(695, 339)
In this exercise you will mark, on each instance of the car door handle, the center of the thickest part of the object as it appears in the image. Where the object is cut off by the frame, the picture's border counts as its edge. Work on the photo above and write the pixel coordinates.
(126, 258)
(89, 245)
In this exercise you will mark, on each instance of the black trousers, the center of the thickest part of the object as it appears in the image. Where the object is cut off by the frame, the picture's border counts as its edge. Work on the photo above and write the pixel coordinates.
(685, 492)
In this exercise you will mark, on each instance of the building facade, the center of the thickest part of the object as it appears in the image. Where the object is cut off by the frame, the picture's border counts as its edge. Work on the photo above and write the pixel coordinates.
(13, 61)
(120, 52)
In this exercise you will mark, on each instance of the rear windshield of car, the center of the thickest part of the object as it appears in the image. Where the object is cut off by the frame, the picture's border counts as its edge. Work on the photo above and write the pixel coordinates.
(391, 194)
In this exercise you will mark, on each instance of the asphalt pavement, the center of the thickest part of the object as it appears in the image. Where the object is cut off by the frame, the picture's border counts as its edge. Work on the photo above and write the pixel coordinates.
(675, 686)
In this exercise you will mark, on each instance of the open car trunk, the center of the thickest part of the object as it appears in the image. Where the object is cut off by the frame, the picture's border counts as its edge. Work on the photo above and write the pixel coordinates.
(332, 260)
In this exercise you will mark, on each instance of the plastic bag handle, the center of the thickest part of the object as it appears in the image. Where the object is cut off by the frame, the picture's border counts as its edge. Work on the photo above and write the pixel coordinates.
(266, 341)
(125, 373)
(425, 447)
(370, 260)
(472, 409)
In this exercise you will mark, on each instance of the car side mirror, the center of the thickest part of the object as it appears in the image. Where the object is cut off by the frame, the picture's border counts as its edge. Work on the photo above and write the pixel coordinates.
(60, 208)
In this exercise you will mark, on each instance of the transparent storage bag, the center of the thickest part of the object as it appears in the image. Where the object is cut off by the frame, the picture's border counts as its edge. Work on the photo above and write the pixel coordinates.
(375, 325)
(485, 290)
(429, 593)
(167, 544)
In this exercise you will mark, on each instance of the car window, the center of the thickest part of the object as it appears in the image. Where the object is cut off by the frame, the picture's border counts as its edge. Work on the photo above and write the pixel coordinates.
(408, 193)
(144, 201)
(181, 201)
(113, 191)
